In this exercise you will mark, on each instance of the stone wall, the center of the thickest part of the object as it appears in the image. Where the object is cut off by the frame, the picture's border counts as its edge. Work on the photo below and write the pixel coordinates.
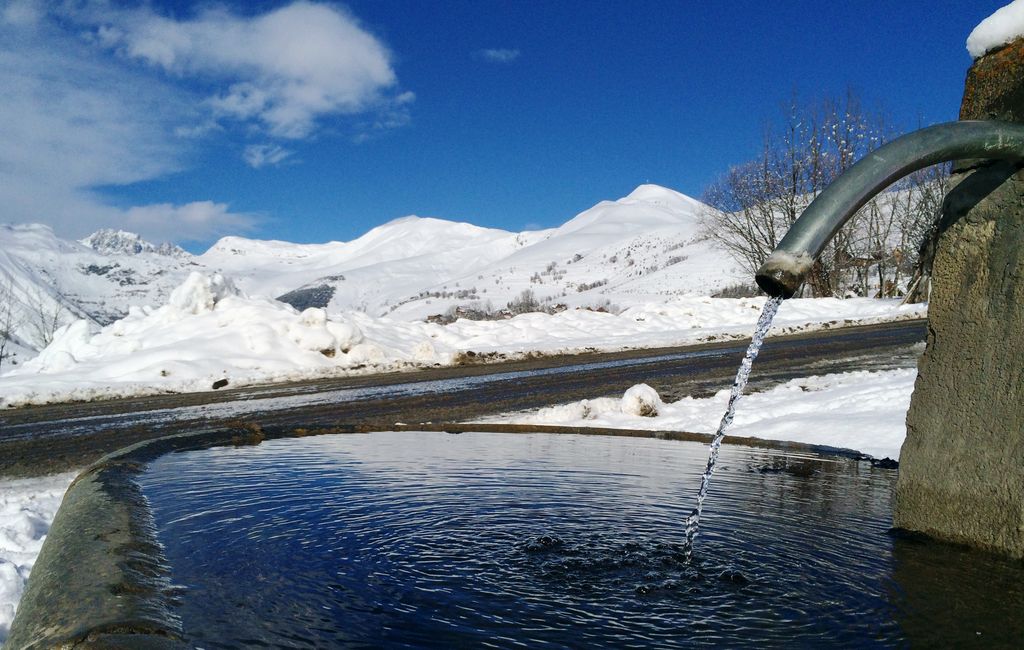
(962, 464)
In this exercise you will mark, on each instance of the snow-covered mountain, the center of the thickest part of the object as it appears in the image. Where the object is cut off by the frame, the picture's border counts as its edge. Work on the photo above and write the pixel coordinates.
(56, 280)
(119, 242)
(390, 262)
(641, 248)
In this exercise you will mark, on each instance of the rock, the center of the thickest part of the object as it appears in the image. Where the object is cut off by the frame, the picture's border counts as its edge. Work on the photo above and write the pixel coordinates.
(641, 400)
(961, 475)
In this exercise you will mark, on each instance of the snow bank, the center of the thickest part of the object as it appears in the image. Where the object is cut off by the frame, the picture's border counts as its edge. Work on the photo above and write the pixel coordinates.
(1005, 25)
(676, 321)
(27, 508)
(206, 333)
(861, 410)
(210, 332)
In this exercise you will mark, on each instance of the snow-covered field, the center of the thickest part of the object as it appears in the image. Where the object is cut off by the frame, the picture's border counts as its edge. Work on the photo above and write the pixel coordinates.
(862, 410)
(210, 333)
(27, 508)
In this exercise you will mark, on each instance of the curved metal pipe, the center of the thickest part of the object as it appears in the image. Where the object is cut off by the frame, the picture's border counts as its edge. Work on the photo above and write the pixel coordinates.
(785, 269)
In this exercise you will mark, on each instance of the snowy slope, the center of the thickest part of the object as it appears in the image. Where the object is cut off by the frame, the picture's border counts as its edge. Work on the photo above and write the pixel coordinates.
(367, 273)
(641, 248)
(645, 244)
(73, 280)
(638, 248)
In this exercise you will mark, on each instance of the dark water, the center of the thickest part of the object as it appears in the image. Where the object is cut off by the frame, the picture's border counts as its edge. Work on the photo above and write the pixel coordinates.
(501, 540)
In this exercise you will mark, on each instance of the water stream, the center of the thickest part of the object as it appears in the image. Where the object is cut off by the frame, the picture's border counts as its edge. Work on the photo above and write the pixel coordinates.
(764, 323)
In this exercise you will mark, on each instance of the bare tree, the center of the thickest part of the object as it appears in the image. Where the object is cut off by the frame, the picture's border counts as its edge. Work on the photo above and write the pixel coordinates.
(524, 303)
(44, 316)
(10, 317)
(919, 217)
(754, 204)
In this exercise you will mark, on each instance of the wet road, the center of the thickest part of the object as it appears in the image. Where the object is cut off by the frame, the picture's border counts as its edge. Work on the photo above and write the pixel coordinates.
(57, 437)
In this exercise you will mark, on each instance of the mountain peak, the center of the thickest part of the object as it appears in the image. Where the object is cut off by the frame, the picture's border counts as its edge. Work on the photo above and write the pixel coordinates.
(657, 194)
(119, 242)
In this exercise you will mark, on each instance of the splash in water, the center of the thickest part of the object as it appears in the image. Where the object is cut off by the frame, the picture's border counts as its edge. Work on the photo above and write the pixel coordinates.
(763, 325)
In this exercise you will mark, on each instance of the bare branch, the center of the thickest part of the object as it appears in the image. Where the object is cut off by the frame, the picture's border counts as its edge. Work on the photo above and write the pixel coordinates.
(756, 202)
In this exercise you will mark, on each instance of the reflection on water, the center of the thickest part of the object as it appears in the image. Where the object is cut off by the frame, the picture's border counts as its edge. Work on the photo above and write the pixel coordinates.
(955, 597)
(437, 540)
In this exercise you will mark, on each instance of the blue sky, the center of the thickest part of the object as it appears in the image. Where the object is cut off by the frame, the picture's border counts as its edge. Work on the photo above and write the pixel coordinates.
(311, 122)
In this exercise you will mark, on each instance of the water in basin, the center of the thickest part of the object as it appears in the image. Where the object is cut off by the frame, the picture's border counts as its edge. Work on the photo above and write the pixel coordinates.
(426, 539)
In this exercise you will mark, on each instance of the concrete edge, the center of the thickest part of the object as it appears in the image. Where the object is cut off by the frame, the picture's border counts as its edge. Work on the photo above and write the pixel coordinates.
(101, 580)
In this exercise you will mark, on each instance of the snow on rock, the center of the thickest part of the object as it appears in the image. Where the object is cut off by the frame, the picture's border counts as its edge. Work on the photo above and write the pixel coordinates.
(1002, 27)
(860, 410)
(27, 508)
(119, 242)
(642, 401)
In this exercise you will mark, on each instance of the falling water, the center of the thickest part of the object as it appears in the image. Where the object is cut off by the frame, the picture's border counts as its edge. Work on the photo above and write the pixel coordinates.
(763, 324)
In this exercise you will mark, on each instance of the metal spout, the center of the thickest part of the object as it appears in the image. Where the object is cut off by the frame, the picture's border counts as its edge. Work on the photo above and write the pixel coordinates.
(785, 269)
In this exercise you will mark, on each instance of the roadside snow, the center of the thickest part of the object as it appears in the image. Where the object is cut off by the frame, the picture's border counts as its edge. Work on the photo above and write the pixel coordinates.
(1005, 25)
(210, 332)
(27, 508)
(862, 410)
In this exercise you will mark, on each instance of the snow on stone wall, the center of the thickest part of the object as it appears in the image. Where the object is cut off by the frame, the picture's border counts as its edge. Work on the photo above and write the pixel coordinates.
(1005, 25)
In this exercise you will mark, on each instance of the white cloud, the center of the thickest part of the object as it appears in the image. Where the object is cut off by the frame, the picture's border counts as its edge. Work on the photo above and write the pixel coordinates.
(263, 155)
(79, 113)
(499, 55)
(285, 69)
(21, 12)
(200, 219)
(393, 114)
(71, 122)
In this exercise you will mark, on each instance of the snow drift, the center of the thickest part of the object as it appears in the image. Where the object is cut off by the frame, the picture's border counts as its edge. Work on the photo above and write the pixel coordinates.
(211, 333)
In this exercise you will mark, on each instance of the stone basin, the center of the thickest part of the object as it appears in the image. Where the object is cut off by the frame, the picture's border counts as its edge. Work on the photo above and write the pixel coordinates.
(434, 539)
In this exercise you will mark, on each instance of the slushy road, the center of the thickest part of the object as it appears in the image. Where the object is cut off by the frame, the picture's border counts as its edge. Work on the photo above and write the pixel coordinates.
(41, 439)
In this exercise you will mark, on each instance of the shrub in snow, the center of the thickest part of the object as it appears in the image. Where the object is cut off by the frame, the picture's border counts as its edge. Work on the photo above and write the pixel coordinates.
(641, 400)
(525, 303)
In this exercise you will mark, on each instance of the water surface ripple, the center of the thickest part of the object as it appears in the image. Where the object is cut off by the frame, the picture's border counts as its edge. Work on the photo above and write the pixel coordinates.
(419, 539)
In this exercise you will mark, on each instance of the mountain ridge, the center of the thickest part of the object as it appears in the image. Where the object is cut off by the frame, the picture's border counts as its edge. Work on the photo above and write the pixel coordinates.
(643, 247)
